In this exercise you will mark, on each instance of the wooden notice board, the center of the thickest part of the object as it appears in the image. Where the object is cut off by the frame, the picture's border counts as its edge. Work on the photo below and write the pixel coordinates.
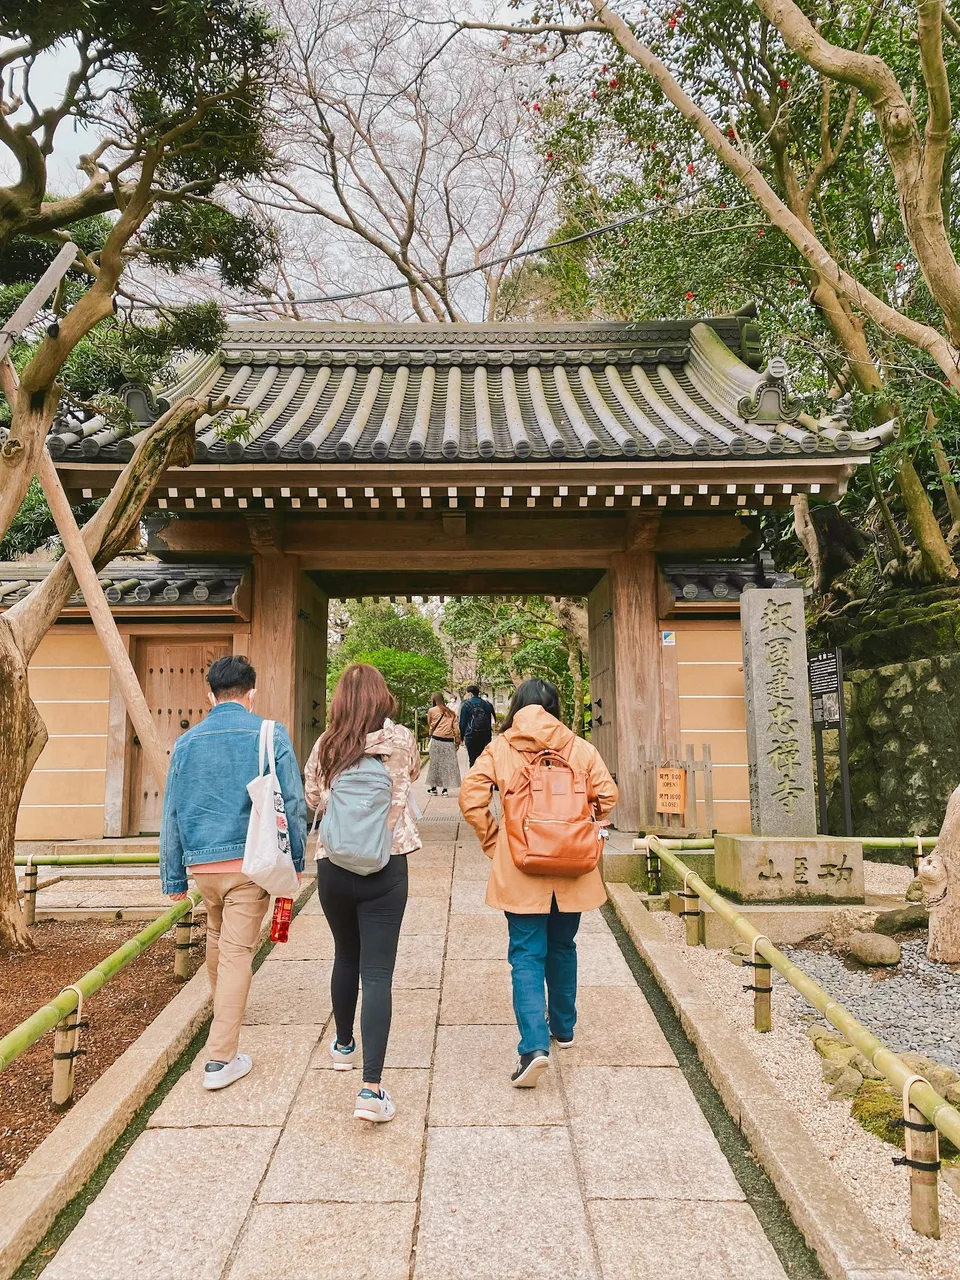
(672, 791)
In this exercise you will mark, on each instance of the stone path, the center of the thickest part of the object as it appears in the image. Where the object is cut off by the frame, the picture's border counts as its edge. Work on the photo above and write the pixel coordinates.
(607, 1171)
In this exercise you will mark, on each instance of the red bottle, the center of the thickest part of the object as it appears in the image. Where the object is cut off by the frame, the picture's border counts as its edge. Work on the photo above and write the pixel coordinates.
(282, 915)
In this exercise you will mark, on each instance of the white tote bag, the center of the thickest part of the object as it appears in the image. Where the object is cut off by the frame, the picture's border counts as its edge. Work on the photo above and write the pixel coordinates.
(267, 859)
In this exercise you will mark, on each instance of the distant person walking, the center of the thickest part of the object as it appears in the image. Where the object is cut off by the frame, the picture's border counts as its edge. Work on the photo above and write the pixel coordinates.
(542, 907)
(444, 771)
(359, 776)
(206, 810)
(477, 718)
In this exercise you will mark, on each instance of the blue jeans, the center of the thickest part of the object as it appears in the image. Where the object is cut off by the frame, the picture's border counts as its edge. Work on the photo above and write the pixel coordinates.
(543, 951)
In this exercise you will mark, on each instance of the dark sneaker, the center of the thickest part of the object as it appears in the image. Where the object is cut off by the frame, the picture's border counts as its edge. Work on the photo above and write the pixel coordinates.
(530, 1068)
(562, 1042)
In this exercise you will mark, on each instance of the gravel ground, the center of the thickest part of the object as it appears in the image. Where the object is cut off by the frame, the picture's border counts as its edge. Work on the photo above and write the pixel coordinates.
(886, 877)
(861, 1161)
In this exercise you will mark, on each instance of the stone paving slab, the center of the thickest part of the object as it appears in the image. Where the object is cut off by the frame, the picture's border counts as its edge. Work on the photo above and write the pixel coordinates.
(419, 962)
(600, 962)
(113, 891)
(280, 1057)
(324, 1154)
(639, 1134)
(616, 1028)
(411, 1032)
(311, 939)
(477, 1184)
(477, 937)
(469, 898)
(429, 882)
(326, 1242)
(295, 992)
(650, 1238)
(476, 991)
(172, 1208)
(471, 1082)
(425, 916)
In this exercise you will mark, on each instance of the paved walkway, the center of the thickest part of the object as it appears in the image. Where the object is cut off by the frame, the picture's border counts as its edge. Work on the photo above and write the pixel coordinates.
(607, 1171)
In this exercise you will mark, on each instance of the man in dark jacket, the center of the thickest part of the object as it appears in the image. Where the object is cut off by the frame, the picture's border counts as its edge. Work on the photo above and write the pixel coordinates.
(477, 718)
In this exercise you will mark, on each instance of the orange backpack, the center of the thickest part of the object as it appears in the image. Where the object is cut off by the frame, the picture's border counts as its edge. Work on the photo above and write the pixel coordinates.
(549, 815)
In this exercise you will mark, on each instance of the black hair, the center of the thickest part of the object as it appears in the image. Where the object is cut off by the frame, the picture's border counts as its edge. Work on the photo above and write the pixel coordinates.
(474, 689)
(231, 675)
(533, 693)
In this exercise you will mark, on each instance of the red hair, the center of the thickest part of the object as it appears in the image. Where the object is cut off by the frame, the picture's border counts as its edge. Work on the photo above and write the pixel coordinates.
(359, 706)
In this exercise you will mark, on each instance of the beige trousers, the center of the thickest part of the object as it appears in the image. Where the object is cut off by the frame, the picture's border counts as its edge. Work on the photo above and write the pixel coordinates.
(235, 910)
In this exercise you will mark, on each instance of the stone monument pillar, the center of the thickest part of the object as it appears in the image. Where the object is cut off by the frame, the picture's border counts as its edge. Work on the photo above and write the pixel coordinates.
(779, 743)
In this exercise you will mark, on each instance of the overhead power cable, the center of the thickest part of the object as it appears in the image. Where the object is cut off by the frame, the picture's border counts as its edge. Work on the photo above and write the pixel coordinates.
(466, 271)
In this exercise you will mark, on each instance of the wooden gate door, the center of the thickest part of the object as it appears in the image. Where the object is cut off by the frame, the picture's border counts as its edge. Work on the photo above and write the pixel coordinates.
(603, 684)
(172, 675)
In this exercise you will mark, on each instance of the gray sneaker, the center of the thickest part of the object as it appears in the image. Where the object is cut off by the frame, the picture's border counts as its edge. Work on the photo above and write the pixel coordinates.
(371, 1107)
(344, 1055)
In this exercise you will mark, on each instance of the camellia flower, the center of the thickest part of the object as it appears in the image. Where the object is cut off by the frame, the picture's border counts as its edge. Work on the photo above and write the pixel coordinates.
(899, 266)
(613, 82)
(690, 167)
(784, 84)
(689, 297)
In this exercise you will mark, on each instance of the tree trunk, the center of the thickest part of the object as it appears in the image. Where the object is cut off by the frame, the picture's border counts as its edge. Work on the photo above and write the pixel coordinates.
(938, 563)
(940, 873)
(22, 733)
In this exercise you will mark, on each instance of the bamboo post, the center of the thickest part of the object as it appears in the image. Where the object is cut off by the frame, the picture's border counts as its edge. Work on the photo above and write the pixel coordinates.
(922, 1159)
(65, 1053)
(181, 947)
(103, 619)
(691, 913)
(30, 893)
(762, 991)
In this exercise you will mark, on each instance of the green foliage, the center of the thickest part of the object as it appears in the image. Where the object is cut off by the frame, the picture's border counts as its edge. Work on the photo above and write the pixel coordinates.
(399, 640)
(413, 678)
(33, 526)
(699, 245)
(188, 236)
(512, 640)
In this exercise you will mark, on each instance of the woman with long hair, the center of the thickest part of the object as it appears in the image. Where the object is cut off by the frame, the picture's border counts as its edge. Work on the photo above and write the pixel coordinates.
(543, 911)
(444, 771)
(365, 911)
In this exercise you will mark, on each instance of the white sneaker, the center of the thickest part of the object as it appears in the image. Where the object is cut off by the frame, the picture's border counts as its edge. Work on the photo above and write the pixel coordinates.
(344, 1056)
(370, 1107)
(217, 1075)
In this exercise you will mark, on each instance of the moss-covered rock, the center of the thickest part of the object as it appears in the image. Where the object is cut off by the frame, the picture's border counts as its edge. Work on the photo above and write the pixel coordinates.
(880, 1113)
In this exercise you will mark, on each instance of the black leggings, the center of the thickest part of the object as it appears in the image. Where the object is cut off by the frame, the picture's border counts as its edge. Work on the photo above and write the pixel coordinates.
(364, 914)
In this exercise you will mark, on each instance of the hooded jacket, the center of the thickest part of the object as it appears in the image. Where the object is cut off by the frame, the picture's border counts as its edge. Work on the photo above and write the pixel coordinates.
(397, 748)
(509, 888)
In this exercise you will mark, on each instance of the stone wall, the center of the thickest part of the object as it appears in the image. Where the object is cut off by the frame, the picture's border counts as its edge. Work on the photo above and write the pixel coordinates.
(903, 732)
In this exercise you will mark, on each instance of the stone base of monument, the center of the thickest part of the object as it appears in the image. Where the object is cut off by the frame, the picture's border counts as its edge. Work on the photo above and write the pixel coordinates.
(786, 925)
(790, 870)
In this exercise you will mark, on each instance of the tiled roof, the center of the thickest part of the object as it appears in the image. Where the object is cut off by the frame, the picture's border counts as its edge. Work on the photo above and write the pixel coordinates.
(132, 584)
(441, 393)
(720, 581)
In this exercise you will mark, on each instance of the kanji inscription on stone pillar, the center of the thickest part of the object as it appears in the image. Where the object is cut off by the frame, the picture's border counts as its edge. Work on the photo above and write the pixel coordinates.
(779, 745)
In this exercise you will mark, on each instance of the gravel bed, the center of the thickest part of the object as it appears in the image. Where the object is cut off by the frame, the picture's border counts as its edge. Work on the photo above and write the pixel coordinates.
(886, 877)
(911, 1006)
(861, 1161)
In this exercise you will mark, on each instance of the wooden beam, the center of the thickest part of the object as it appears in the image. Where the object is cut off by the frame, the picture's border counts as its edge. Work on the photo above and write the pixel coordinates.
(28, 309)
(102, 618)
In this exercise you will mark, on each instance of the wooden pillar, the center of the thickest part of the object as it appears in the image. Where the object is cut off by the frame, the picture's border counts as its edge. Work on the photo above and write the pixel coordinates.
(639, 711)
(311, 661)
(273, 632)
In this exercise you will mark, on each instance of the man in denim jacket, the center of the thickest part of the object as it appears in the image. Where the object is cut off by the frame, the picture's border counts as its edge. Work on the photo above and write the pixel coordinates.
(206, 809)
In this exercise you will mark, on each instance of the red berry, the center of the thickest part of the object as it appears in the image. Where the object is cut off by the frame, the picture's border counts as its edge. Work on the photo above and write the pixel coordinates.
(653, 146)
(784, 84)
(760, 232)
(689, 297)
(732, 133)
(549, 155)
(603, 69)
(690, 167)
(899, 266)
(723, 204)
(593, 93)
(536, 106)
(613, 82)
(672, 24)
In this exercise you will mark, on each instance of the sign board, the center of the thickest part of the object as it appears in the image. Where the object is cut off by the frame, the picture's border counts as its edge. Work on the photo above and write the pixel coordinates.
(826, 689)
(672, 791)
(669, 637)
